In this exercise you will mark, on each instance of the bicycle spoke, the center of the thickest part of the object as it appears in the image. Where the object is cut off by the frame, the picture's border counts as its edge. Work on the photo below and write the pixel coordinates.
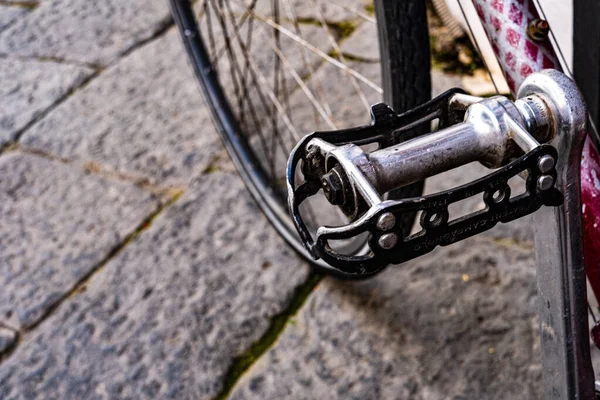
(313, 79)
(462, 10)
(317, 51)
(257, 75)
(305, 88)
(338, 51)
(234, 71)
(268, 67)
(211, 37)
(591, 311)
(276, 81)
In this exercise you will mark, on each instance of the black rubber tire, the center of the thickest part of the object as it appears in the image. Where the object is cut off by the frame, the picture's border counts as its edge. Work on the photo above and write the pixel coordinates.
(405, 67)
(404, 46)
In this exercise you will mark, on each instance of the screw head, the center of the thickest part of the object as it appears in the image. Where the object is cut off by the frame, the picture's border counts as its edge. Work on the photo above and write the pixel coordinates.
(387, 241)
(545, 182)
(538, 30)
(333, 188)
(386, 222)
(545, 164)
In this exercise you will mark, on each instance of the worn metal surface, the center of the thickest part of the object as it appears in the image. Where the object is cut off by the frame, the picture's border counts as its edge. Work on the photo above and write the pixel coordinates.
(568, 372)
(506, 24)
(487, 136)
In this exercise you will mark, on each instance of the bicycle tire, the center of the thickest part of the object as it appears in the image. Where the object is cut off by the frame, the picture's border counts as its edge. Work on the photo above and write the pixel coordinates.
(405, 68)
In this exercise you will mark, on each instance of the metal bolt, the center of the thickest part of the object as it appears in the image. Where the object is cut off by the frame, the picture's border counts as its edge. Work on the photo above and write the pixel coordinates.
(386, 222)
(538, 30)
(333, 188)
(545, 164)
(545, 182)
(313, 163)
(388, 241)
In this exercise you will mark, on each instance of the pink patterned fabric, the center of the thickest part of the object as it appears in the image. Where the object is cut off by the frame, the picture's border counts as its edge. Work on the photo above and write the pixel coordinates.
(505, 22)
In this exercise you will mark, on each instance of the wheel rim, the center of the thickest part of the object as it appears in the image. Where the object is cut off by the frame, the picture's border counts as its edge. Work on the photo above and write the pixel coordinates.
(237, 109)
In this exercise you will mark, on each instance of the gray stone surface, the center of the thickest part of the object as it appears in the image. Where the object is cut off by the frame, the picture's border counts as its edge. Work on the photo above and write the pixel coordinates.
(167, 316)
(144, 116)
(442, 81)
(8, 338)
(332, 11)
(363, 43)
(86, 31)
(8, 15)
(58, 223)
(28, 87)
(459, 323)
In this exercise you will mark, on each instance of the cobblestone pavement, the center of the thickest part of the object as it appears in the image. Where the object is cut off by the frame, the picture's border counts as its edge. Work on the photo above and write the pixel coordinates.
(131, 268)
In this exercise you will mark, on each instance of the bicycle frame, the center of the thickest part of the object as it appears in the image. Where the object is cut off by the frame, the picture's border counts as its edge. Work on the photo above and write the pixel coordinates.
(561, 242)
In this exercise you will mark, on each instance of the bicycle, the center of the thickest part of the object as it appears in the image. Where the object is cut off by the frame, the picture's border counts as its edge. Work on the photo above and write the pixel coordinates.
(352, 167)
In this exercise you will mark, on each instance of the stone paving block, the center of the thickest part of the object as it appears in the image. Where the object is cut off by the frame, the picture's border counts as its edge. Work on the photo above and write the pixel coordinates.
(335, 91)
(330, 11)
(28, 87)
(442, 81)
(363, 42)
(459, 323)
(94, 32)
(58, 223)
(8, 15)
(144, 116)
(166, 317)
(307, 10)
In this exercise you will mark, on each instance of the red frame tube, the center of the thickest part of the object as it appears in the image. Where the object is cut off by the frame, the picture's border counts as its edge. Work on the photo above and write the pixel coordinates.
(506, 23)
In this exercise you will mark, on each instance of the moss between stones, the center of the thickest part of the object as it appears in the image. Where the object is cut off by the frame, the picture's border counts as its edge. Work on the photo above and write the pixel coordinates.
(342, 29)
(211, 169)
(81, 286)
(22, 4)
(456, 55)
(278, 324)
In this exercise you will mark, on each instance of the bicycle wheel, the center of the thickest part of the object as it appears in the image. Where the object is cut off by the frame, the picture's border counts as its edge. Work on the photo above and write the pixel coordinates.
(273, 71)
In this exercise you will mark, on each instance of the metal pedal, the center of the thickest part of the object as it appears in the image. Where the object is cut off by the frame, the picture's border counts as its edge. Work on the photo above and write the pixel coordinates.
(511, 137)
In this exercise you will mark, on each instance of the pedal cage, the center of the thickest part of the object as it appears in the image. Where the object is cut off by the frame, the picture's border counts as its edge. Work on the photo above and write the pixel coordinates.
(388, 244)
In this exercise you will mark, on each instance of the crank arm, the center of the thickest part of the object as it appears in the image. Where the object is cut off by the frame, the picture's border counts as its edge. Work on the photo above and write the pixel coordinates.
(512, 137)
